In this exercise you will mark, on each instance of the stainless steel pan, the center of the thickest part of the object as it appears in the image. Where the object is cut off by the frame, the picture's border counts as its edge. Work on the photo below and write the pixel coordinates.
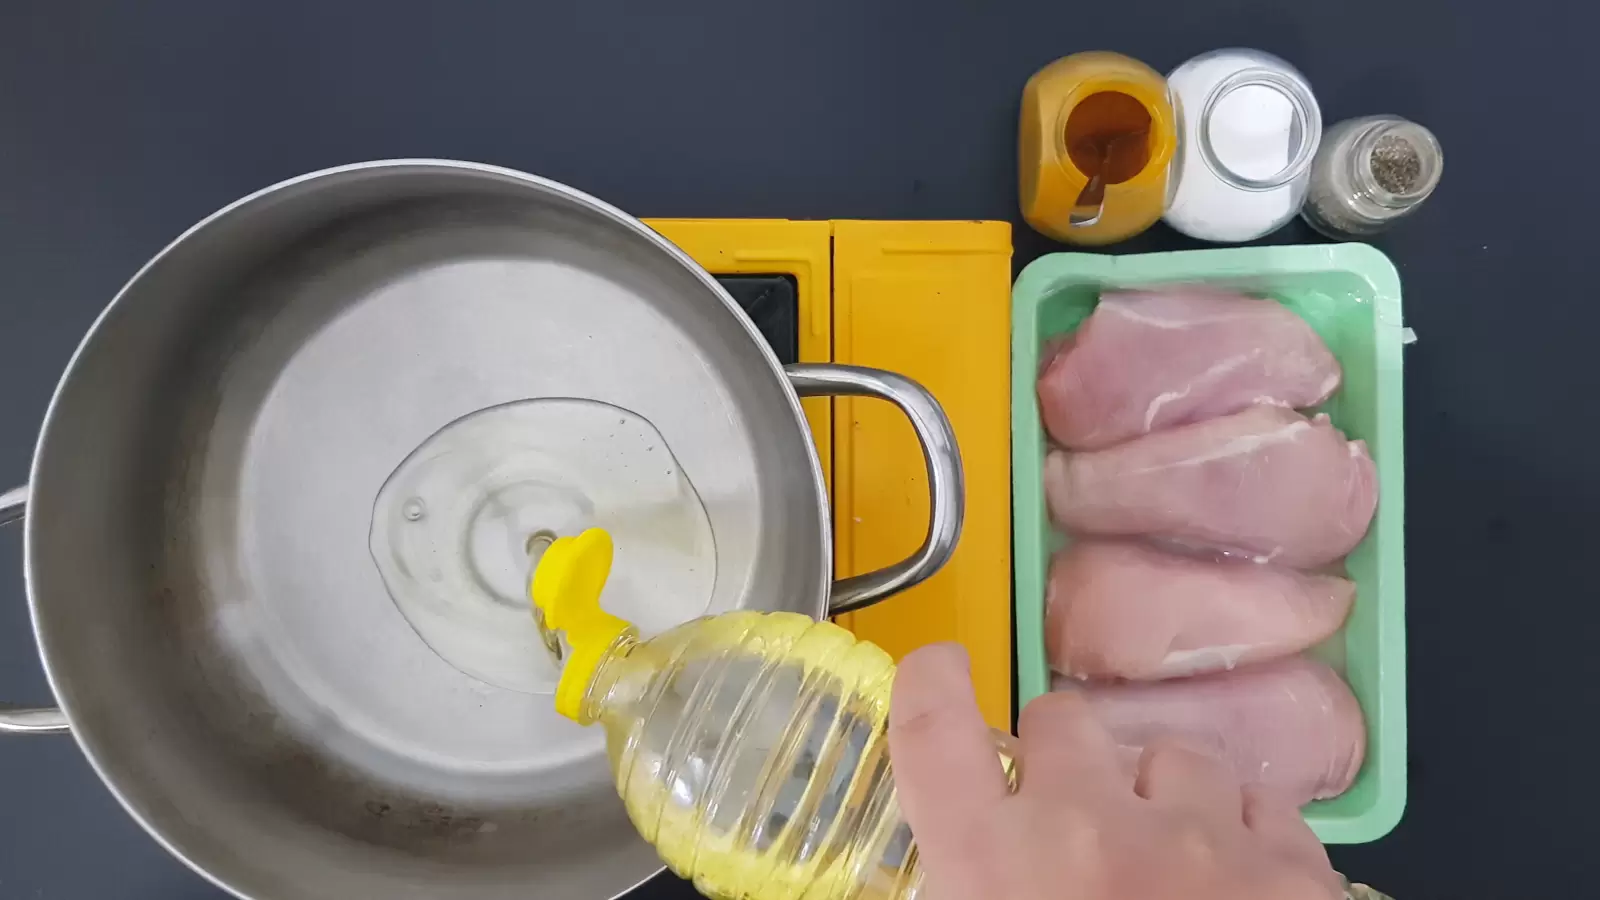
(211, 622)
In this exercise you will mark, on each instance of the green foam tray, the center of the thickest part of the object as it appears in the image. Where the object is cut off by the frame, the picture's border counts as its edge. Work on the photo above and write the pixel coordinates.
(1350, 293)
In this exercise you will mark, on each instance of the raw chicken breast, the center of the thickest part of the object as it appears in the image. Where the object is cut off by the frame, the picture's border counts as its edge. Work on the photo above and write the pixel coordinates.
(1265, 483)
(1121, 610)
(1144, 361)
(1292, 725)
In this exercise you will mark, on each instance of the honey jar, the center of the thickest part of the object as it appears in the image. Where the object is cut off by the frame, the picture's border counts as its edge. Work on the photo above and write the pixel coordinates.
(1095, 114)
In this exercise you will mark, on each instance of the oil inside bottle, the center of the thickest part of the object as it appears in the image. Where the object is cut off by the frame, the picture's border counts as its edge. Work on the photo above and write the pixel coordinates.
(453, 526)
(757, 761)
(749, 748)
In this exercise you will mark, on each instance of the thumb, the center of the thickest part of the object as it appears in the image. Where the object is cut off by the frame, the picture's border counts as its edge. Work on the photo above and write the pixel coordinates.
(946, 767)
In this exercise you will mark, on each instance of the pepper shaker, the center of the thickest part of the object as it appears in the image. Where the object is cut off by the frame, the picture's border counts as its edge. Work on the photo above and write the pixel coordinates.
(1369, 172)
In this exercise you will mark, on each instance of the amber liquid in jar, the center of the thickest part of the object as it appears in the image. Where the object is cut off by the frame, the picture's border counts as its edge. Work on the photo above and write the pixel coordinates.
(1091, 114)
(1108, 135)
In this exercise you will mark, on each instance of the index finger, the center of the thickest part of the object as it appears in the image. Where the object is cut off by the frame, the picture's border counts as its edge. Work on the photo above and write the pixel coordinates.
(1278, 823)
(946, 767)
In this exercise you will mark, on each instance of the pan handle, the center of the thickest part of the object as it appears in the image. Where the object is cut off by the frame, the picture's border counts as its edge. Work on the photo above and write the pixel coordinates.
(946, 494)
(17, 719)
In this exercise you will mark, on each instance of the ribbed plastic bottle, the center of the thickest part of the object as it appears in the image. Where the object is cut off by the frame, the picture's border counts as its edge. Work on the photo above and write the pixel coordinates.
(749, 748)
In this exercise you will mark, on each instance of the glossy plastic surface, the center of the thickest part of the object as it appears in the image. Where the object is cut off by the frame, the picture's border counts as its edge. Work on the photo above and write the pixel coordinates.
(927, 300)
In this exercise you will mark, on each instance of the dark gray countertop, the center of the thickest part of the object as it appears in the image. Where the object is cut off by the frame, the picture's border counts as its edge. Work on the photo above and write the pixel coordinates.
(121, 124)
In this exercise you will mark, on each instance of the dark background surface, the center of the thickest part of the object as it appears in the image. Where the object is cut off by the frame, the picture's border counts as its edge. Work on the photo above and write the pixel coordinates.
(122, 124)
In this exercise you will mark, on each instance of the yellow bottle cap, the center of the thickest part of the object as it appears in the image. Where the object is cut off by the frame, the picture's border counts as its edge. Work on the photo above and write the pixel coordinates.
(566, 590)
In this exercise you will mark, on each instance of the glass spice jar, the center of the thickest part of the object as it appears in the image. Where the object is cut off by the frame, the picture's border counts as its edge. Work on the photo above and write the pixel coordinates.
(1369, 172)
(1251, 128)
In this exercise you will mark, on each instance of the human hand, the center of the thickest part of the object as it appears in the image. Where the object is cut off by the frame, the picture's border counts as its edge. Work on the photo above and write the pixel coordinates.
(1081, 825)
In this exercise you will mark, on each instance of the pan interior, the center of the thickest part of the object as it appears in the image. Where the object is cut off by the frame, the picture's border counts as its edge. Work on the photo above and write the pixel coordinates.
(458, 528)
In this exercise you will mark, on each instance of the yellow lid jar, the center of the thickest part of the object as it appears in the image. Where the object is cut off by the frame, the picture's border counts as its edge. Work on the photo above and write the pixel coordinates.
(1089, 113)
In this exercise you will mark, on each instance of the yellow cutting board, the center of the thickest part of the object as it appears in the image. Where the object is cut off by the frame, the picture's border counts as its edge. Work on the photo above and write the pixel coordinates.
(929, 300)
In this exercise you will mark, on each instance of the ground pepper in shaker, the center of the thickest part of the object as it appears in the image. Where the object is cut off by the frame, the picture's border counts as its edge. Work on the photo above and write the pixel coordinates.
(1369, 172)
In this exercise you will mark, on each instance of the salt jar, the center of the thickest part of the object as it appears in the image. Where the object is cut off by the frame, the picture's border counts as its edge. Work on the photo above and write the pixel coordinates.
(1249, 129)
(1370, 172)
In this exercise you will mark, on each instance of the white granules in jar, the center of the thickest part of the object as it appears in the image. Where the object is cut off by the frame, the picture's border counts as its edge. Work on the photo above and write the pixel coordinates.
(1250, 127)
